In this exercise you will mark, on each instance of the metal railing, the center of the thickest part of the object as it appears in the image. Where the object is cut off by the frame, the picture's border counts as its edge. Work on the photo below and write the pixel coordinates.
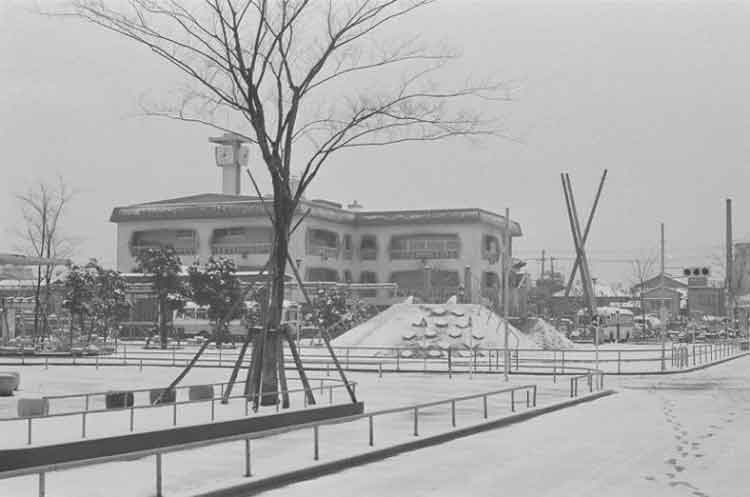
(393, 359)
(87, 411)
(415, 409)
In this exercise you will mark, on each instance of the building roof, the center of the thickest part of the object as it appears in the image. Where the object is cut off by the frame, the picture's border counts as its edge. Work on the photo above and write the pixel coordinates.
(216, 205)
(600, 290)
(655, 281)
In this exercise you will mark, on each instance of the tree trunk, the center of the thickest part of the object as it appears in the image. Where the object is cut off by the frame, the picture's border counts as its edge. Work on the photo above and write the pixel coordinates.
(283, 212)
(72, 320)
(37, 301)
(163, 322)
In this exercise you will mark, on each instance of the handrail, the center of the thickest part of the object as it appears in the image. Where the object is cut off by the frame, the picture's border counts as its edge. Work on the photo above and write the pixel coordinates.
(173, 405)
(275, 431)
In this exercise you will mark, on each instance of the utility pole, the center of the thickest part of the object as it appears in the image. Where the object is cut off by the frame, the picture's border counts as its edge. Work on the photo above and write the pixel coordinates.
(662, 313)
(730, 264)
(661, 269)
(541, 272)
(506, 270)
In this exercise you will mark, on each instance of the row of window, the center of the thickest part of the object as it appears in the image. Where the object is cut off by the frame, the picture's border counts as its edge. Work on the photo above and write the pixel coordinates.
(319, 242)
(409, 279)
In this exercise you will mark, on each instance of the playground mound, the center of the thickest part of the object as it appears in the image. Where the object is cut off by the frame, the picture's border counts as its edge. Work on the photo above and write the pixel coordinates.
(545, 335)
(430, 330)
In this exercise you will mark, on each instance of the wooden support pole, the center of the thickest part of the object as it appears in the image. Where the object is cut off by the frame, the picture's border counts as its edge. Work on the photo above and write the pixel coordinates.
(235, 371)
(282, 375)
(184, 372)
(324, 333)
(300, 369)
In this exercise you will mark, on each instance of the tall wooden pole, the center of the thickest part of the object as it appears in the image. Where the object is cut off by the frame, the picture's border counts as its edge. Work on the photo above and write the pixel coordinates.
(588, 288)
(577, 262)
(661, 258)
(730, 263)
(662, 314)
(506, 288)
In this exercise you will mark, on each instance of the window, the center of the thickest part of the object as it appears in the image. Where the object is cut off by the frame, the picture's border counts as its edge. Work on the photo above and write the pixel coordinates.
(324, 243)
(241, 240)
(368, 248)
(183, 241)
(347, 276)
(429, 246)
(490, 248)
(347, 246)
(490, 279)
(368, 277)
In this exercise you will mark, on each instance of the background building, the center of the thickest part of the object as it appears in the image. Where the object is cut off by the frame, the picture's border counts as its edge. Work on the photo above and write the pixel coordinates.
(431, 254)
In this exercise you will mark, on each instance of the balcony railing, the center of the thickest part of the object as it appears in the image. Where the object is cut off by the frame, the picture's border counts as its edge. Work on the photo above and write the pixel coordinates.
(368, 254)
(347, 254)
(323, 251)
(246, 248)
(135, 249)
(404, 254)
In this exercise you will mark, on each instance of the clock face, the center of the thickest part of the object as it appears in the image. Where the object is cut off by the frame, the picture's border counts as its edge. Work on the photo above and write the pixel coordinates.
(224, 155)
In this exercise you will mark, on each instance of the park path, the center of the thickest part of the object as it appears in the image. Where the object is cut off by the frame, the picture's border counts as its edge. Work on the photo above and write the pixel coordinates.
(681, 435)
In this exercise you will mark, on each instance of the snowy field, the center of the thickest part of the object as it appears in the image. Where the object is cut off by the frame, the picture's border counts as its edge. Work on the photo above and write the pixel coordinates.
(685, 435)
(188, 472)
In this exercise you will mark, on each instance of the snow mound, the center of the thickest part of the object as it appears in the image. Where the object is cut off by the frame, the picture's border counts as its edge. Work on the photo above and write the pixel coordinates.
(545, 335)
(460, 327)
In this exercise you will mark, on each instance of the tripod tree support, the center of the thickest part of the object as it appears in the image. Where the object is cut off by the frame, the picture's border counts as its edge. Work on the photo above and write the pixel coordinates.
(300, 369)
(235, 370)
(184, 372)
(203, 347)
(324, 333)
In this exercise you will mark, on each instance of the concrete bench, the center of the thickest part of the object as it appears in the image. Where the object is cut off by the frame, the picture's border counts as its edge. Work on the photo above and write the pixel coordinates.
(30, 407)
(201, 392)
(16, 374)
(118, 399)
(8, 383)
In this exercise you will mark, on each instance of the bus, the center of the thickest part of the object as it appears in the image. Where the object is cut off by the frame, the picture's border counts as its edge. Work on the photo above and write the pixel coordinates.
(192, 320)
(615, 324)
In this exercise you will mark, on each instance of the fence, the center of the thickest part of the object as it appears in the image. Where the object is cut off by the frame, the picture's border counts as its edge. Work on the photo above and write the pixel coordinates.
(530, 392)
(673, 357)
(174, 406)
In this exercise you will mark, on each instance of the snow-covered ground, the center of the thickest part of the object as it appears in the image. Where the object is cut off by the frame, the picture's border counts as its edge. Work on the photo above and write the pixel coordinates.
(187, 472)
(686, 435)
(682, 435)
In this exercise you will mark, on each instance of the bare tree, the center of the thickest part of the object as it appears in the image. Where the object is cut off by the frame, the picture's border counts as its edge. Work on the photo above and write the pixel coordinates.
(300, 80)
(43, 207)
(643, 270)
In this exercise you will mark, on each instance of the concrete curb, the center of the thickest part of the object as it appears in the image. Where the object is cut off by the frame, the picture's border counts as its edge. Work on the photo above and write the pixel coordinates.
(317, 470)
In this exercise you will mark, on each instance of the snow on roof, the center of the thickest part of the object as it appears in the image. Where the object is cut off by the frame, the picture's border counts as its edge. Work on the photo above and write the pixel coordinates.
(600, 290)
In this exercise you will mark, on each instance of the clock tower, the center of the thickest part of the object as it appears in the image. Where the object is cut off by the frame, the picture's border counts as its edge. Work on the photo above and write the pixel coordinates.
(231, 156)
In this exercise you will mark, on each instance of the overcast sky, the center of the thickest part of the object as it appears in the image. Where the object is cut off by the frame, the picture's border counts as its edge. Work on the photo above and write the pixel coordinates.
(655, 92)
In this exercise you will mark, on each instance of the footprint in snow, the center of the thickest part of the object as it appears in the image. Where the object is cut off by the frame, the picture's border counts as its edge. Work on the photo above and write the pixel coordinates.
(681, 483)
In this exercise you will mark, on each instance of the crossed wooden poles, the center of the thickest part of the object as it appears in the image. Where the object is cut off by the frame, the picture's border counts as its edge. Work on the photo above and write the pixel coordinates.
(579, 240)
